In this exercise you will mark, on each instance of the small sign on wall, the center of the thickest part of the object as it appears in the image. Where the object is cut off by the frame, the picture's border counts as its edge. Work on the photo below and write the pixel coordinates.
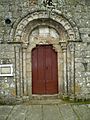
(6, 70)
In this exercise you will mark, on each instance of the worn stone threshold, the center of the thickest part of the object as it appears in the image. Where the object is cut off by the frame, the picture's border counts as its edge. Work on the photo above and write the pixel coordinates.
(43, 102)
(44, 97)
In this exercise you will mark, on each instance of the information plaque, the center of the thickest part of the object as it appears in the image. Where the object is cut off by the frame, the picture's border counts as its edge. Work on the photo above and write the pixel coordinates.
(6, 70)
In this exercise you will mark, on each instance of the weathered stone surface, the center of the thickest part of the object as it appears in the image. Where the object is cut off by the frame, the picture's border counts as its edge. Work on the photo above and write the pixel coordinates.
(82, 111)
(34, 112)
(45, 112)
(5, 111)
(3, 117)
(51, 112)
(67, 112)
(18, 113)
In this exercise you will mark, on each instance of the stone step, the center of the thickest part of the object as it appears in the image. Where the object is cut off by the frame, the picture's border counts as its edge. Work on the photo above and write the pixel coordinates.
(44, 102)
(45, 97)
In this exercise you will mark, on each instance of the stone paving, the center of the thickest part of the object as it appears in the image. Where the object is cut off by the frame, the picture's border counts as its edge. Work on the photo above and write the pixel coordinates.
(45, 112)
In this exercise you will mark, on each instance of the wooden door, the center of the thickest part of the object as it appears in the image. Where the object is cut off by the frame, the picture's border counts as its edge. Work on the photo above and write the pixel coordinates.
(44, 70)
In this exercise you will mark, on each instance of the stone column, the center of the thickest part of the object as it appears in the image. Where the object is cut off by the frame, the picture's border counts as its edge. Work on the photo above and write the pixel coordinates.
(24, 72)
(16, 87)
(72, 50)
(17, 70)
(24, 75)
(69, 69)
(65, 81)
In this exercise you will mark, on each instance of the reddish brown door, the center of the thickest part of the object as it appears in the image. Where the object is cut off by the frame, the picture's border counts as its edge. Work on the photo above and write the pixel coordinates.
(44, 70)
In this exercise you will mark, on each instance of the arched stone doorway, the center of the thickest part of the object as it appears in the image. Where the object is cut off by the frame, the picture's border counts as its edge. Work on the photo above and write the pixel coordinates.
(44, 60)
(47, 36)
(42, 27)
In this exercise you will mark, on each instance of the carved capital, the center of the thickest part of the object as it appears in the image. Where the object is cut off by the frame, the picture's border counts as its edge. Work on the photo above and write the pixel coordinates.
(25, 45)
(63, 45)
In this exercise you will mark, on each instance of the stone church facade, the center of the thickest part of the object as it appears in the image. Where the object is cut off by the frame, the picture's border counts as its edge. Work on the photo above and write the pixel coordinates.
(44, 49)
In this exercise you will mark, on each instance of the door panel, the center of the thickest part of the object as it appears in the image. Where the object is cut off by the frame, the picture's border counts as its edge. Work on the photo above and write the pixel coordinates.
(44, 70)
(40, 69)
(34, 70)
(38, 81)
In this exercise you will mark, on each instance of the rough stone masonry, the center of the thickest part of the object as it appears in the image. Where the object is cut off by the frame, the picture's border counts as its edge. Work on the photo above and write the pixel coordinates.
(64, 24)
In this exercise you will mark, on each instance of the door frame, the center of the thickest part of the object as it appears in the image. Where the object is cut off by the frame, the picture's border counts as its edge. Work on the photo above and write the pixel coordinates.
(58, 49)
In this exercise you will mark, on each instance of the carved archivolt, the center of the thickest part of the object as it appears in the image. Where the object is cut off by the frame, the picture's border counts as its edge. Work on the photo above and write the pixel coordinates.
(20, 34)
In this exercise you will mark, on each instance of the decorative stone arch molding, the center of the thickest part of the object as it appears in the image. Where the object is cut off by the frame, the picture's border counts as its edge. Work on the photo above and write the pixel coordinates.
(70, 27)
(68, 32)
